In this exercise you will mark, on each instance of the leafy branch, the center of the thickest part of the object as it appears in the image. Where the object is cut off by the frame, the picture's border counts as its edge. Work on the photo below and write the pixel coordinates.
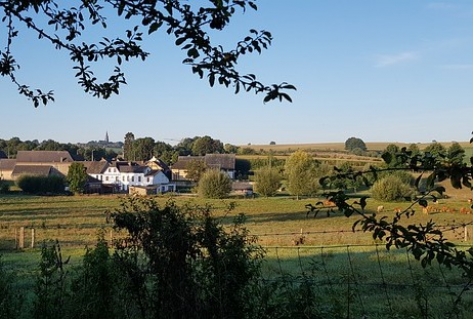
(425, 242)
(189, 26)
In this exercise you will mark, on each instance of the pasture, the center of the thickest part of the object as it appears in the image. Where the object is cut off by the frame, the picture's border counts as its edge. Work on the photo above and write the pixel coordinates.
(75, 220)
(342, 266)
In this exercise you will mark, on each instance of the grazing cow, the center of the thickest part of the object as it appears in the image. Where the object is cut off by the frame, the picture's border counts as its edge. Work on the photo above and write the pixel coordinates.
(316, 210)
(380, 208)
(311, 209)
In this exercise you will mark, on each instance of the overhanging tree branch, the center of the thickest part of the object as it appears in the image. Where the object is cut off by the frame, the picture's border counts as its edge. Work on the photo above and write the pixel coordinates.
(189, 25)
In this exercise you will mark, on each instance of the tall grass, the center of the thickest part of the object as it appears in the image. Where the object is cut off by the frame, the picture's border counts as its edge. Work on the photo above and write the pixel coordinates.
(341, 267)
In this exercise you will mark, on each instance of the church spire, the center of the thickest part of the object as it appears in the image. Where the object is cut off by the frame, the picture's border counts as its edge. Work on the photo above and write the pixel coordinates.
(107, 136)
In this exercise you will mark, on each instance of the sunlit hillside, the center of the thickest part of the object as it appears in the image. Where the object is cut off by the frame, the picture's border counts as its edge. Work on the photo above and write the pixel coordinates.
(339, 147)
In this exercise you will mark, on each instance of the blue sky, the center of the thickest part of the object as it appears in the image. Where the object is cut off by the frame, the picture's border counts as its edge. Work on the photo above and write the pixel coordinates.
(383, 71)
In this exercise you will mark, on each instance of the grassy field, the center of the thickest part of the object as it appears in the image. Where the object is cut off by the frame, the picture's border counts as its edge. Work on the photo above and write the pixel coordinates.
(337, 260)
(75, 220)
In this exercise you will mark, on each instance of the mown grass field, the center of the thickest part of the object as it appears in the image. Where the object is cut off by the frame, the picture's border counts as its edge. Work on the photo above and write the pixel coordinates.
(337, 260)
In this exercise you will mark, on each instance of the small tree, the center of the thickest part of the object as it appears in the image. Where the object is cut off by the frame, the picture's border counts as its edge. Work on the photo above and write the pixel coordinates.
(195, 169)
(455, 153)
(267, 181)
(435, 149)
(391, 188)
(77, 178)
(300, 169)
(353, 143)
(390, 156)
(214, 184)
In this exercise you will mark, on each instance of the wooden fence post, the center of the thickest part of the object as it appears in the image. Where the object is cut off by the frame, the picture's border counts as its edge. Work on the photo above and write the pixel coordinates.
(21, 239)
(32, 238)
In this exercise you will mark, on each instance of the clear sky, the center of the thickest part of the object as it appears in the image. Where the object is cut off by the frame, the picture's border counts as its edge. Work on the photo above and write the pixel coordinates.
(382, 71)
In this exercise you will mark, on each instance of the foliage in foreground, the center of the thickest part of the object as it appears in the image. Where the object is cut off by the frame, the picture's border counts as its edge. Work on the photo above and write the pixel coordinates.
(69, 27)
(172, 263)
(425, 242)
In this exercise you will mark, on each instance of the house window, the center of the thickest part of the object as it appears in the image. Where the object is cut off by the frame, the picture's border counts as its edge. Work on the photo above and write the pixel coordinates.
(128, 178)
(147, 179)
(116, 178)
(106, 178)
(133, 178)
(123, 178)
(139, 178)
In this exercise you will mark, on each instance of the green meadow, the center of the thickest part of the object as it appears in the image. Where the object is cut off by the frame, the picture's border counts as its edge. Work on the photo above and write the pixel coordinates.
(342, 265)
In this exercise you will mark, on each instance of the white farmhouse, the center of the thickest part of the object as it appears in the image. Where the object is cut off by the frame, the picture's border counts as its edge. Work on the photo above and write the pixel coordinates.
(121, 176)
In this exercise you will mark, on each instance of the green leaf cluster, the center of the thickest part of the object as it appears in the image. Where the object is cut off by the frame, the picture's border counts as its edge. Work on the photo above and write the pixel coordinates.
(66, 28)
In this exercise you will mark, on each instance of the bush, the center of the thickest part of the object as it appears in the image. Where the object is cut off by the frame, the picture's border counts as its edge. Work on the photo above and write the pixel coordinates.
(4, 187)
(214, 184)
(267, 181)
(41, 184)
(391, 188)
(10, 301)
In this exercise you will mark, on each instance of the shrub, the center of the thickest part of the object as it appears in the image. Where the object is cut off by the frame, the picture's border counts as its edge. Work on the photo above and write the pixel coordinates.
(4, 187)
(214, 184)
(182, 263)
(391, 188)
(41, 184)
(9, 301)
(267, 181)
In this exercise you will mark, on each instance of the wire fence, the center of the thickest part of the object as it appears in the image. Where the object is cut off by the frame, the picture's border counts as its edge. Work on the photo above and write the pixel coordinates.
(369, 279)
(457, 233)
(86, 235)
(359, 279)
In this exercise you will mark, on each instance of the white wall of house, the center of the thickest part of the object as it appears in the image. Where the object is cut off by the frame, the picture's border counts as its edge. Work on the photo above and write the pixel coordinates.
(110, 176)
(123, 180)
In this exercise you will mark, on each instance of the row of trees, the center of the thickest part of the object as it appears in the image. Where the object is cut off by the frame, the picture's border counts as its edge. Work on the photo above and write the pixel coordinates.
(302, 175)
(86, 151)
(132, 149)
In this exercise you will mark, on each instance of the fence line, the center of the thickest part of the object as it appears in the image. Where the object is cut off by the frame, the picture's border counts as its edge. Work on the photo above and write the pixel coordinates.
(442, 228)
(357, 273)
(19, 239)
(360, 274)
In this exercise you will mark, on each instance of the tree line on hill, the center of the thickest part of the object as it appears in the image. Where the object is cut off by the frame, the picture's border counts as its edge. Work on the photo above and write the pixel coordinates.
(131, 149)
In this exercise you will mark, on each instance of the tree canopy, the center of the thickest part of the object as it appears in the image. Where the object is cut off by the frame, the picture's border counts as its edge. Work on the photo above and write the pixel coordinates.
(300, 169)
(353, 143)
(77, 178)
(77, 28)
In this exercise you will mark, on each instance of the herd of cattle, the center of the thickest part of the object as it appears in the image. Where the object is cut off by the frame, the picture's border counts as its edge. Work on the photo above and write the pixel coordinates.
(329, 207)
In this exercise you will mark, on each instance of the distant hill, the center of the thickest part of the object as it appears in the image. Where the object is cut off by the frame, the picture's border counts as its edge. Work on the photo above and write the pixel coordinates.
(339, 147)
